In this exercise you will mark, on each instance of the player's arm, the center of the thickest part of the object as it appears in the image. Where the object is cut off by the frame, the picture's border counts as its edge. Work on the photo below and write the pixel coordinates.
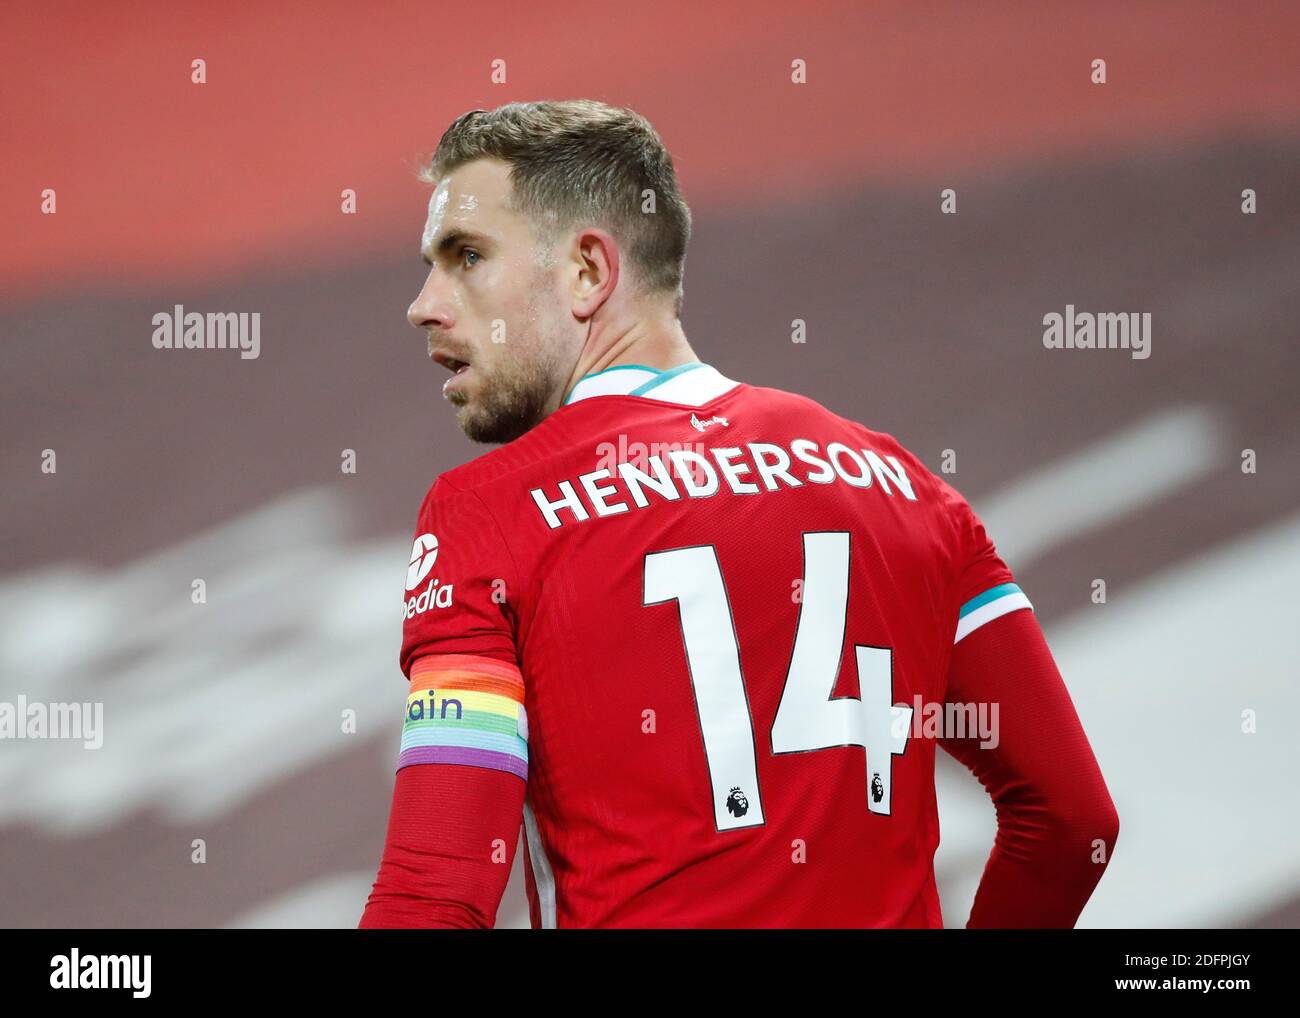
(1056, 823)
(458, 797)
(461, 773)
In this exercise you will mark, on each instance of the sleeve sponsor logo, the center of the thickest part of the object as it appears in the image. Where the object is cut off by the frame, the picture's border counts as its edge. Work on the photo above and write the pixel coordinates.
(424, 552)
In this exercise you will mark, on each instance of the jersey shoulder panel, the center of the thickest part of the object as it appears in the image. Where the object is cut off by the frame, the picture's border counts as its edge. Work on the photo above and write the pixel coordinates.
(796, 405)
(980, 585)
(457, 581)
(983, 586)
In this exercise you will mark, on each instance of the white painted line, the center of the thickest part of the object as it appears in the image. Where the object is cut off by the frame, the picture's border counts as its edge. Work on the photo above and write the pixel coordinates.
(1103, 483)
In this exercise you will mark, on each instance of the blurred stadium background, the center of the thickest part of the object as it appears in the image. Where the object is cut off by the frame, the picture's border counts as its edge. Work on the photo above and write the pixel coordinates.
(818, 202)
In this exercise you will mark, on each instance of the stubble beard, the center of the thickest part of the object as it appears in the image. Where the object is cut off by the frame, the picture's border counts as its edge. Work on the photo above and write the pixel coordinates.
(515, 395)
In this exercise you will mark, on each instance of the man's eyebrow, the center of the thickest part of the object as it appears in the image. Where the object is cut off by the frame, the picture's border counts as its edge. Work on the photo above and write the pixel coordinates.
(451, 238)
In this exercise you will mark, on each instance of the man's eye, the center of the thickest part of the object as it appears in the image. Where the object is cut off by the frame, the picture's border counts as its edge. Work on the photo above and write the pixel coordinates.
(466, 252)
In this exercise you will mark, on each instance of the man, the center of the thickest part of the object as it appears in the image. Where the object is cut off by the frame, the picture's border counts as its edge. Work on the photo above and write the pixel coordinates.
(682, 624)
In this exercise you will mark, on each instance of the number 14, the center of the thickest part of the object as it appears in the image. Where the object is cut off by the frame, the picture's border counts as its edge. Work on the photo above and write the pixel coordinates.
(808, 718)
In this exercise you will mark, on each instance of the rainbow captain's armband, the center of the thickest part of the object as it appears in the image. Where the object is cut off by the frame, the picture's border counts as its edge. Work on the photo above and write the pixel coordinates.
(465, 709)
(992, 604)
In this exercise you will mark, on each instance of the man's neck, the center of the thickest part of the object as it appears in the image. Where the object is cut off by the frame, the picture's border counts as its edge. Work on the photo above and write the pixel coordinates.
(658, 344)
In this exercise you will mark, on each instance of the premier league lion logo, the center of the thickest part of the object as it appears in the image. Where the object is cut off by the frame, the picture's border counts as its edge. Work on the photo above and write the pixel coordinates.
(737, 804)
(877, 788)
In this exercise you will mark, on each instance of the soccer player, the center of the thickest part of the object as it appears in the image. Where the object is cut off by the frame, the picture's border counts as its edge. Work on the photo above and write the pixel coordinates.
(685, 627)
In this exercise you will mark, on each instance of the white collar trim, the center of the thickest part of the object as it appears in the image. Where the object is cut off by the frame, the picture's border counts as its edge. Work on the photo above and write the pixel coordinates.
(692, 384)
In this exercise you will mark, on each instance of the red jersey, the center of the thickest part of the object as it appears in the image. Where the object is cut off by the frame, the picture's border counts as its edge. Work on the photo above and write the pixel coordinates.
(705, 623)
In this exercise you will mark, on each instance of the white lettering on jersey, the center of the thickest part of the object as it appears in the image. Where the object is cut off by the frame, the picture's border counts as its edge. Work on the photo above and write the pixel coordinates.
(685, 471)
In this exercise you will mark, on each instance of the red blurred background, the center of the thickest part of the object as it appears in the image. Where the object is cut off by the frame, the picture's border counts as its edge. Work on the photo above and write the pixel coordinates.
(817, 201)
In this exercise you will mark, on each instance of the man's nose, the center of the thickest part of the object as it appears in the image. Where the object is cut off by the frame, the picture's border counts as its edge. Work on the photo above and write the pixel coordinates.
(431, 308)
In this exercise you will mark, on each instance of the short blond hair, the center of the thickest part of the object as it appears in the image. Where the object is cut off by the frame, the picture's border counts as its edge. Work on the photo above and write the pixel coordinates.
(579, 162)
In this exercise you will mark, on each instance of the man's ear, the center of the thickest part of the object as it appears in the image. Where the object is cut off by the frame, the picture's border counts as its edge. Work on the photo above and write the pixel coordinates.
(596, 256)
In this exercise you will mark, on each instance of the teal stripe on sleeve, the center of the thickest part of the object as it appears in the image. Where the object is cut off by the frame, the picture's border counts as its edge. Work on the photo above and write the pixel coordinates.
(992, 594)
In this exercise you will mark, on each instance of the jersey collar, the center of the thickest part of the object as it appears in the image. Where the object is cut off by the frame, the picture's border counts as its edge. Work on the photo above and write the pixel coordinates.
(692, 384)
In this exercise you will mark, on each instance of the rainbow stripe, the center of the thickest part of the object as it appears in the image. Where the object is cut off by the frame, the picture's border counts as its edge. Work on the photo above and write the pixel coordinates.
(464, 709)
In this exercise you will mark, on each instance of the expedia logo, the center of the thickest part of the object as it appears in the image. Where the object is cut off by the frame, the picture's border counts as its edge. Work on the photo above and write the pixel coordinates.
(423, 554)
(433, 596)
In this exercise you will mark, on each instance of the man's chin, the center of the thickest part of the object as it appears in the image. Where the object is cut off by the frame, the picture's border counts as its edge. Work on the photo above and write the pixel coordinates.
(486, 427)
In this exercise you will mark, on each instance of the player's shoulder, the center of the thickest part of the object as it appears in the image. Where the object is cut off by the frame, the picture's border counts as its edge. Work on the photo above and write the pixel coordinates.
(799, 405)
(796, 406)
(575, 432)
